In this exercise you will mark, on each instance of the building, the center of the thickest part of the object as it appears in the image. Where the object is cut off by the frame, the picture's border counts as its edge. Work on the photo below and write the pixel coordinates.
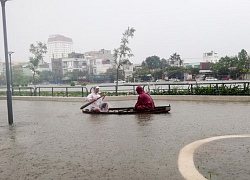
(74, 64)
(59, 46)
(56, 65)
(128, 71)
(191, 65)
(102, 54)
(211, 57)
(99, 66)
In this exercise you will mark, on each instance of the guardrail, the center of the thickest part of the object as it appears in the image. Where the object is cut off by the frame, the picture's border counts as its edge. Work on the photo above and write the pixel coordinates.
(166, 88)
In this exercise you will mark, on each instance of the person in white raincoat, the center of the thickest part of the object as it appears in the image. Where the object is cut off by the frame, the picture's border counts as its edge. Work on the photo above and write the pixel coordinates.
(98, 105)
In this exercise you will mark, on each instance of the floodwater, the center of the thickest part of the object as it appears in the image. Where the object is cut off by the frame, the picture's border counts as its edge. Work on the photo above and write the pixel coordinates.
(54, 140)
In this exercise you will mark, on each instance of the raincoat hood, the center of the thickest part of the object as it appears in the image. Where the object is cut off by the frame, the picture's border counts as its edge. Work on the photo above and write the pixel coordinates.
(139, 90)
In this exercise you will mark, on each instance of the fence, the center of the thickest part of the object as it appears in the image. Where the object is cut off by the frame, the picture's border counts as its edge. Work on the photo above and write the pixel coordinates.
(167, 88)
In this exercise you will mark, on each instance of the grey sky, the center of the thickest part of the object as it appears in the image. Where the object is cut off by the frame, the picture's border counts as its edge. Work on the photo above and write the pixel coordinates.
(163, 27)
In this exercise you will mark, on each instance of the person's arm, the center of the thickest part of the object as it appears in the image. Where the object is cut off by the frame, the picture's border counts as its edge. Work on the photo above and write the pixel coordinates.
(137, 103)
(90, 98)
(103, 96)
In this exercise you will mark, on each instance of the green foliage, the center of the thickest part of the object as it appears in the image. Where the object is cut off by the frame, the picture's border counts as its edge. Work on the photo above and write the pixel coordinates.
(123, 53)
(152, 62)
(38, 52)
(233, 67)
(142, 74)
(175, 71)
(19, 78)
(175, 59)
(232, 90)
(112, 74)
(72, 83)
(45, 76)
(223, 89)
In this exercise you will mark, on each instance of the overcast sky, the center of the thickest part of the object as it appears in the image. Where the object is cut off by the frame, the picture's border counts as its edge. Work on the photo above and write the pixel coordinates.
(163, 27)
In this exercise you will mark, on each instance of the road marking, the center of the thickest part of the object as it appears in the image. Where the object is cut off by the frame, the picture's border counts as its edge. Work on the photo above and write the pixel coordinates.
(186, 157)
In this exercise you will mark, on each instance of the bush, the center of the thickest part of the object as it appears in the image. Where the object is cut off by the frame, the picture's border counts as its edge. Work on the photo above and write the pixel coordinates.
(72, 83)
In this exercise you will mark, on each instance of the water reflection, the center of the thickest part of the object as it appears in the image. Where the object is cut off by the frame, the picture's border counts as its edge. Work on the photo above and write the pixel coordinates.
(12, 132)
(144, 119)
(95, 118)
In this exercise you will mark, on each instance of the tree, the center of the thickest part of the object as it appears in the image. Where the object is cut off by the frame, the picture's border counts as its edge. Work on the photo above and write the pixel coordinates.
(46, 76)
(19, 78)
(2, 79)
(243, 64)
(142, 74)
(38, 52)
(226, 66)
(164, 67)
(123, 53)
(176, 72)
(152, 62)
(175, 59)
(112, 74)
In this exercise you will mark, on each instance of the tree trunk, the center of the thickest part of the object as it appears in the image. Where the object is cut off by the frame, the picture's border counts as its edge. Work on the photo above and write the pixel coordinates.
(116, 84)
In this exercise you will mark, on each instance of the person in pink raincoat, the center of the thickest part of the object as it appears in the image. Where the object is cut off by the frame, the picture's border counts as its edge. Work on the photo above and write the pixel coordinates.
(144, 100)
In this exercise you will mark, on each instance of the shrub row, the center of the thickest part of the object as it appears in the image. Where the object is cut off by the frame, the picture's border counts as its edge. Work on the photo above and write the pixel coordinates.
(232, 90)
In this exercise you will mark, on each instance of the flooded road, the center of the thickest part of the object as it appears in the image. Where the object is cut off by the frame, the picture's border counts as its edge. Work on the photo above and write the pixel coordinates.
(54, 140)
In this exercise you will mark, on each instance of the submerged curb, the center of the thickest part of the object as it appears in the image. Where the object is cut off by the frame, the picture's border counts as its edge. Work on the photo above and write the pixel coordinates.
(186, 156)
(134, 97)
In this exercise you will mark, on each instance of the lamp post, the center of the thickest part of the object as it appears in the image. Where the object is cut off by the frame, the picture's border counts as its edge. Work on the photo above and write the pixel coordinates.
(11, 79)
(9, 97)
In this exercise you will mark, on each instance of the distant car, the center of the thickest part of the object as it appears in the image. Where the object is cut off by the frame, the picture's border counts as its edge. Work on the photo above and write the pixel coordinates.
(120, 81)
(190, 80)
(226, 79)
(174, 80)
(160, 80)
(210, 79)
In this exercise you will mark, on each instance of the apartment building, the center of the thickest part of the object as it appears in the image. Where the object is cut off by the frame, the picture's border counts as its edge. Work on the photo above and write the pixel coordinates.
(59, 46)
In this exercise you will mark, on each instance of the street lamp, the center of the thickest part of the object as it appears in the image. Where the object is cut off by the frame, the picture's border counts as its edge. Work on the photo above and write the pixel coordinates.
(11, 79)
(9, 97)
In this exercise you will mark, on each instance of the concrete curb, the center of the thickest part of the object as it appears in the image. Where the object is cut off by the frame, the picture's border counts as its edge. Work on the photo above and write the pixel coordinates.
(134, 97)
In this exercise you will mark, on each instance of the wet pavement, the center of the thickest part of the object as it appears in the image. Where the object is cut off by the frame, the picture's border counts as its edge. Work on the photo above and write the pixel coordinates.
(54, 140)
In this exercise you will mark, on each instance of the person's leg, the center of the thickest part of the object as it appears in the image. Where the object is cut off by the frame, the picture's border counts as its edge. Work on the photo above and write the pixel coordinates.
(94, 109)
(104, 107)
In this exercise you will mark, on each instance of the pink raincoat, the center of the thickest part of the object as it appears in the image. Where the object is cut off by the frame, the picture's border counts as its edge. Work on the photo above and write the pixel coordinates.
(144, 100)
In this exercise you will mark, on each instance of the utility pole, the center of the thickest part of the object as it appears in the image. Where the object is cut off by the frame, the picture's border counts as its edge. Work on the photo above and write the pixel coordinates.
(9, 97)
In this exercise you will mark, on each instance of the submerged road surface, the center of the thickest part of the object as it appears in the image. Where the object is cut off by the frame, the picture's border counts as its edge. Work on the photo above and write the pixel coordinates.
(54, 140)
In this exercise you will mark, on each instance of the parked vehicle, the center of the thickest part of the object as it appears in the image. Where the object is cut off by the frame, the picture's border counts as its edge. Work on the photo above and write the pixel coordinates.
(120, 81)
(174, 80)
(226, 79)
(190, 80)
(210, 79)
(160, 80)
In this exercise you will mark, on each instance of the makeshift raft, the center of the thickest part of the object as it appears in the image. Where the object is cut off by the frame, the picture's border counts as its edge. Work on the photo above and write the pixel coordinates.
(130, 110)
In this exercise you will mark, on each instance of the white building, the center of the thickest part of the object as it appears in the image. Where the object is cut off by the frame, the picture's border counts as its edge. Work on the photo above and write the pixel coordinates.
(128, 70)
(72, 64)
(99, 66)
(59, 46)
(210, 57)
